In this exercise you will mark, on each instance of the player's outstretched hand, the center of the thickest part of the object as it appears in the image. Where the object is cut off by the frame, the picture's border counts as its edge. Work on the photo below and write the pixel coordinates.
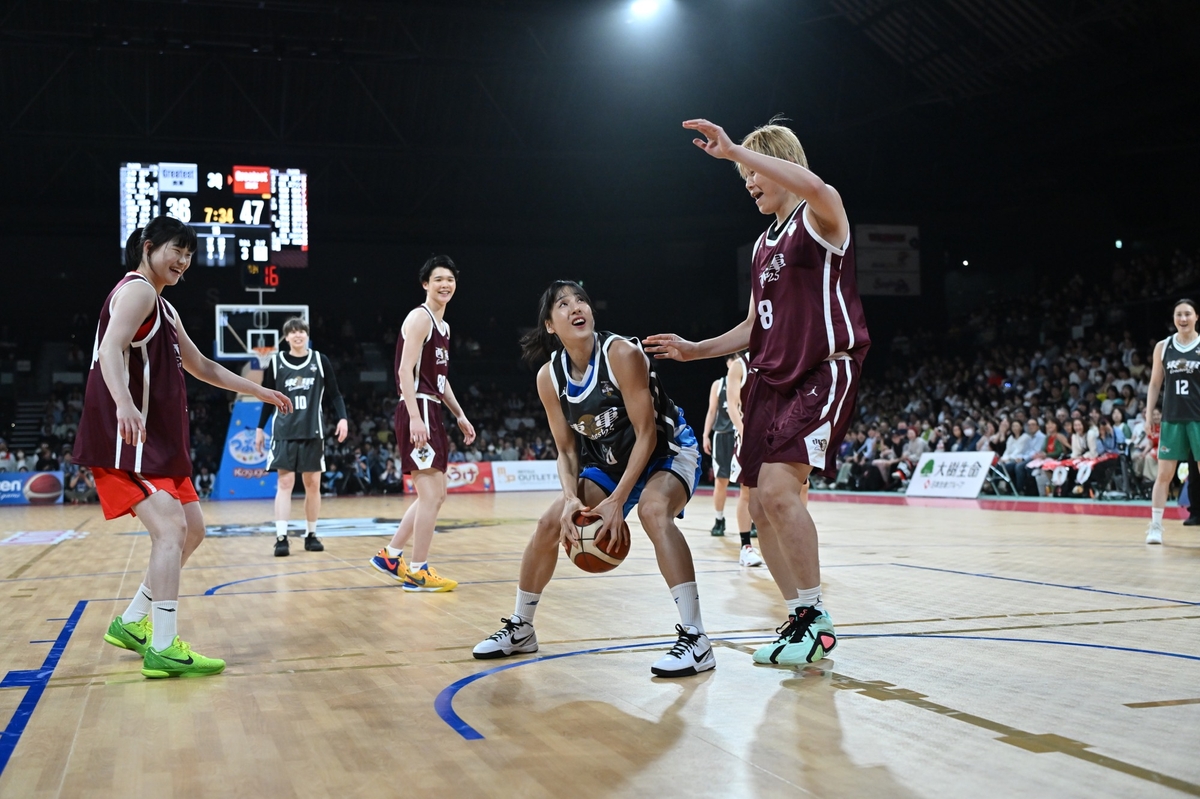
(716, 141)
(468, 429)
(669, 345)
(568, 533)
(130, 425)
(342, 430)
(276, 398)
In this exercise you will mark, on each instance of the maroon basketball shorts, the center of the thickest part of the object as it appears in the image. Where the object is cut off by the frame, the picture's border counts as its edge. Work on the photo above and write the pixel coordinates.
(804, 425)
(432, 455)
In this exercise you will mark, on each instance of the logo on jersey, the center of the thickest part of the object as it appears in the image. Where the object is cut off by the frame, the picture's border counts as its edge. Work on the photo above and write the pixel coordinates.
(595, 427)
(298, 383)
(442, 354)
(1182, 365)
(820, 444)
(609, 457)
(607, 388)
(770, 272)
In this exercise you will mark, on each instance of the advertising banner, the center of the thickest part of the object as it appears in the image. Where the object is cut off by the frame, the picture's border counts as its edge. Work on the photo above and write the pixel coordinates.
(462, 478)
(31, 488)
(950, 474)
(243, 473)
(888, 259)
(526, 475)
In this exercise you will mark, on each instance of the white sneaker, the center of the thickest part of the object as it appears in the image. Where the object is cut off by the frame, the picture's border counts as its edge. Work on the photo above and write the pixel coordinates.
(749, 557)
(1154, 533)
(690, 655)
(516, 637)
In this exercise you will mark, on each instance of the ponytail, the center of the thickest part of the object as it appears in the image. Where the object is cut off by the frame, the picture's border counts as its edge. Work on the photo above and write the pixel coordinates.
(161, 230)
(539, 344)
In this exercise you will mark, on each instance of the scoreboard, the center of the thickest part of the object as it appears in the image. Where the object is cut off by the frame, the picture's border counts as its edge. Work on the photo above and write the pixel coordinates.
(252, 218)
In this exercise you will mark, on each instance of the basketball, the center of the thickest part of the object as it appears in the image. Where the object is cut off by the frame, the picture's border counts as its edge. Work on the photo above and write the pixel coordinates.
(589, 556)
(43, 489)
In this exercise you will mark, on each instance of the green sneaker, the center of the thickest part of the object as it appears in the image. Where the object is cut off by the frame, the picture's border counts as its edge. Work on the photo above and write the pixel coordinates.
(805, 638)
(178, 660)
(134, 636)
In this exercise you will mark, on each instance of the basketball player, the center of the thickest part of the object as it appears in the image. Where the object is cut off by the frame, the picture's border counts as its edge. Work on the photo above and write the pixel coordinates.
(807, 339)
(621, 444)
(724, 423)
(134, 435)
(298, 439)
(422, 364)
(1174, 370)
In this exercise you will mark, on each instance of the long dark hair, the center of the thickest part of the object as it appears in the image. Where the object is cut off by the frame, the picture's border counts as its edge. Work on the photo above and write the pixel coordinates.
(539, 343)
(161, 230)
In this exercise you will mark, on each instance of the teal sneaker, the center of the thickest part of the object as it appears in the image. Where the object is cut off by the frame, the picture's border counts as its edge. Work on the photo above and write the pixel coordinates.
(134, 636)
(805, 638)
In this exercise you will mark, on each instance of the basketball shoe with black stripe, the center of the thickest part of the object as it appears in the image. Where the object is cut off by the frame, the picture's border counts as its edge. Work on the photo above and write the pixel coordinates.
(691, 654)
(134, 635)
(804, 638)
(516, 637)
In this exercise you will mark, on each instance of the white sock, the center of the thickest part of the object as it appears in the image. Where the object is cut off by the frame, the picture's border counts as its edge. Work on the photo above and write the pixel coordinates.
(311, 527)
(1156, 515)
(281, 528)
(808, 597)
(394, 553)
(164, 624)
(687, 600)
(720, 515)
(139, 608)
(526, 605)
(416, 567)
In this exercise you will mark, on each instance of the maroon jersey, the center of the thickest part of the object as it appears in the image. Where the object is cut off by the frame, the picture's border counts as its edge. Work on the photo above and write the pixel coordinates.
(806, 303)
(433, 364)
(154, 375)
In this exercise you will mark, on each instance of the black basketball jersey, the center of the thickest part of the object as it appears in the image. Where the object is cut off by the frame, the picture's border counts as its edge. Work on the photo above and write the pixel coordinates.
(304, 383)
(723, 423)
(595, 409)
(1181, 381)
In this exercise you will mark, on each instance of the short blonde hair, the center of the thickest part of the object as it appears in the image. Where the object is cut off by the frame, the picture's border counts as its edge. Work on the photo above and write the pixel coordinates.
(776, 141)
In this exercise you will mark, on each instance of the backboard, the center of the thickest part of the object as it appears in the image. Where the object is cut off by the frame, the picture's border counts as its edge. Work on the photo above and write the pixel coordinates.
(244, 332)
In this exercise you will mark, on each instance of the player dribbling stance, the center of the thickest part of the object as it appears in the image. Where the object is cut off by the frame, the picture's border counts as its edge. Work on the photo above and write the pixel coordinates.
(422, 366)
(807, 339)
(134, 435)
(621, 444)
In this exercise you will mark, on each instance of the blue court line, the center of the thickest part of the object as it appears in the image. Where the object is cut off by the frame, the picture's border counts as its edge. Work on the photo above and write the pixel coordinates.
(34, 681)
(443, 704)
(217, 588)
(1087, 588)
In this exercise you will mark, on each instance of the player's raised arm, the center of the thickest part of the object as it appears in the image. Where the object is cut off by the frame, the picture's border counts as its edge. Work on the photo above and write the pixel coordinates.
(215, 374)
(824, 203)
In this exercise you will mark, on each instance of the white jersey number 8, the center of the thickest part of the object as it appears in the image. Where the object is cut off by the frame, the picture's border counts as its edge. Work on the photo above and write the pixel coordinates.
(766, 314)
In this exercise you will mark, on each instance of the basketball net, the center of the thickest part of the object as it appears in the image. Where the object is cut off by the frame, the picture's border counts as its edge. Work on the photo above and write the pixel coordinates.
(264, 355)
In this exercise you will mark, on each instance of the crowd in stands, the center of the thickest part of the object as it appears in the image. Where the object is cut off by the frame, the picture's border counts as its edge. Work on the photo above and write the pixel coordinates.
(1052, 382)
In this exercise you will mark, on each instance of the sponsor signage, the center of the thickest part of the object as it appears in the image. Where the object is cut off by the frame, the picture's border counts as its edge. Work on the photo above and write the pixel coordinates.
(526, 475)
(178, 178)
(31, 488)
(950, 474)
(462, 478)
(243, 472)
(888, 259)
(251, 180)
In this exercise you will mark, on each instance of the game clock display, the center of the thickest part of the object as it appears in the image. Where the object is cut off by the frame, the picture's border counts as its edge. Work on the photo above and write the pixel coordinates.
(252, 218)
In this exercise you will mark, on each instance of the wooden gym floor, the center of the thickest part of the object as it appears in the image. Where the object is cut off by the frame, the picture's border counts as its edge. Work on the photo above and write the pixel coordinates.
(982, 653)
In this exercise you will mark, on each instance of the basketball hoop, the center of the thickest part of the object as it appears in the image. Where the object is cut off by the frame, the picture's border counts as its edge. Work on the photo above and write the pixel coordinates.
(264, 355)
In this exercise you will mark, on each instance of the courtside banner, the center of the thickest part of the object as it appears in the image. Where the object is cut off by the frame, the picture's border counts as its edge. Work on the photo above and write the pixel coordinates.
(950, 474)
(243, 473)
(462, 478)
(31, 488)
(526, 475)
